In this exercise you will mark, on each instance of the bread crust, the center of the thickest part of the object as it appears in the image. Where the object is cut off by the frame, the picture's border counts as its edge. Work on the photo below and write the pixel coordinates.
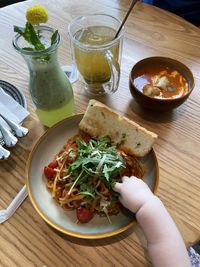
(100, 120)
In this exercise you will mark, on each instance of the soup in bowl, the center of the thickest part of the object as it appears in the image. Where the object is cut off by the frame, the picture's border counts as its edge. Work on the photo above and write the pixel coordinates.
(160, 83)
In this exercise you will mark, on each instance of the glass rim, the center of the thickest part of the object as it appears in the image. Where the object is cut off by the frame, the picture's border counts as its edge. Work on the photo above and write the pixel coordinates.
(47, 50)
(88, 46)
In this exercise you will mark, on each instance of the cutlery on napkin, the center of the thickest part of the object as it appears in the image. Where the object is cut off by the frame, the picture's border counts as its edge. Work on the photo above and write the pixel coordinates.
(11, 116)
(19, 130)
(5, 214)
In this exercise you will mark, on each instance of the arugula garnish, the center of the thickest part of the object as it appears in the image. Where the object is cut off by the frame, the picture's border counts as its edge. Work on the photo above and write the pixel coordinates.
(95, 159)
(87, 189)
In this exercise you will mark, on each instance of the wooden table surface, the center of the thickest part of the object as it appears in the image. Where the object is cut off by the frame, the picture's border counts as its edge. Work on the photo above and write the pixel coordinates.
(25, 239)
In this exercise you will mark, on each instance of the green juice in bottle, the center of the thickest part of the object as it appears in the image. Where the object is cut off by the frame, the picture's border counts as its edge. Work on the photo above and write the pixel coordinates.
(50, 117)
(50, 89)
(51, 93)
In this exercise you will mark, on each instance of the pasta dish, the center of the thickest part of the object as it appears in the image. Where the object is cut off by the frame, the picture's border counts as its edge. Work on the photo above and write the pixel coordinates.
(82, 175)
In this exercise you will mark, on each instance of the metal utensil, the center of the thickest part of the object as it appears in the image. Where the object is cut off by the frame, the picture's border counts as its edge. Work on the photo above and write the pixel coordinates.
(19, 130)
(125, 18)
(9, 139)
(5, 214)
(4, 153)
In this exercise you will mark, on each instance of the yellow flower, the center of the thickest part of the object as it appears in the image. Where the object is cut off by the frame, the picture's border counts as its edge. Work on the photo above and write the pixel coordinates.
(36, 14)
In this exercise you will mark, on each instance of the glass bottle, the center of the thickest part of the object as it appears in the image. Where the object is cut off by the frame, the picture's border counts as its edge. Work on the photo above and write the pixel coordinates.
(49, 87)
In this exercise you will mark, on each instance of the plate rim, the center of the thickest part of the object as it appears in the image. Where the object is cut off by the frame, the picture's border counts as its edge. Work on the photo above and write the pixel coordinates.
(55, 225)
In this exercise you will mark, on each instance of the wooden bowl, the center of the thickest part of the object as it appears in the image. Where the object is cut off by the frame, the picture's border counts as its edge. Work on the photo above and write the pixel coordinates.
(157, 103)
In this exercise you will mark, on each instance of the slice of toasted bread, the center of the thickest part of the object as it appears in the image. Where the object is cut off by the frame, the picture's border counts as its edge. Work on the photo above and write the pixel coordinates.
(100, 120)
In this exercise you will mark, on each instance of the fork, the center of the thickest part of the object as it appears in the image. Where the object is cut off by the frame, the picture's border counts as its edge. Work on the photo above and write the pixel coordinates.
(19, 130)
(9, 139)
(5, 214)
(4, 153)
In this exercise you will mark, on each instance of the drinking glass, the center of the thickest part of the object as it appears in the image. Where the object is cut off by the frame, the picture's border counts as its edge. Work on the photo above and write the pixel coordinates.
(96, 51)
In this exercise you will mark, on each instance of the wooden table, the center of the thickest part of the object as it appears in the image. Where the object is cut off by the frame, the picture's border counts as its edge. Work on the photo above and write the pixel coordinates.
(25, 239)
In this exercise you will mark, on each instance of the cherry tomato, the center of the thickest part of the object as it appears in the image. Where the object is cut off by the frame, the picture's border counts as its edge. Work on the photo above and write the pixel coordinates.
(49, 172)
(53, 164)
(84, 215)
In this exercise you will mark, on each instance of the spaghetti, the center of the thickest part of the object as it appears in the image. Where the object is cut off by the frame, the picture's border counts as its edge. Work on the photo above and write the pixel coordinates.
(83, 173)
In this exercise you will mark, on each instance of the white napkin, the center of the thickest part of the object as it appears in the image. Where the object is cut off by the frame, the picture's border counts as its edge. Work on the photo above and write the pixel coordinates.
(10, 109)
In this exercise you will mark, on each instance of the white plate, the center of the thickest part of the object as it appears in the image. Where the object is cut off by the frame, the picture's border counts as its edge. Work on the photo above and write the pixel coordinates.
(65, 221)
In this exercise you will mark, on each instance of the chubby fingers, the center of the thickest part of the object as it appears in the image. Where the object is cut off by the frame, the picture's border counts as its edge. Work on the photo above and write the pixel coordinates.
(117, 187)
(125, 178)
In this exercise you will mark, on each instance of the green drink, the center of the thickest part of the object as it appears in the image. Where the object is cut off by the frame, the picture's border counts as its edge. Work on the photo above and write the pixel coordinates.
(50, 90)
(96, 52)
(50, 117)
(92, 64)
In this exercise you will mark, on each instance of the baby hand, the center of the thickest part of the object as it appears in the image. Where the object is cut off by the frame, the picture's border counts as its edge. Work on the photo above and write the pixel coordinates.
(134, 193)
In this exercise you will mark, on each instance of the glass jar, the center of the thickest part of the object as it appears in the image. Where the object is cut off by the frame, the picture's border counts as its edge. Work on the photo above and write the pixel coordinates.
(49, 87)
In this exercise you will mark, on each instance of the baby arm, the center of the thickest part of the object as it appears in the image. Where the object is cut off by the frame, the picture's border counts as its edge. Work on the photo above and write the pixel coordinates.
(164, 242)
